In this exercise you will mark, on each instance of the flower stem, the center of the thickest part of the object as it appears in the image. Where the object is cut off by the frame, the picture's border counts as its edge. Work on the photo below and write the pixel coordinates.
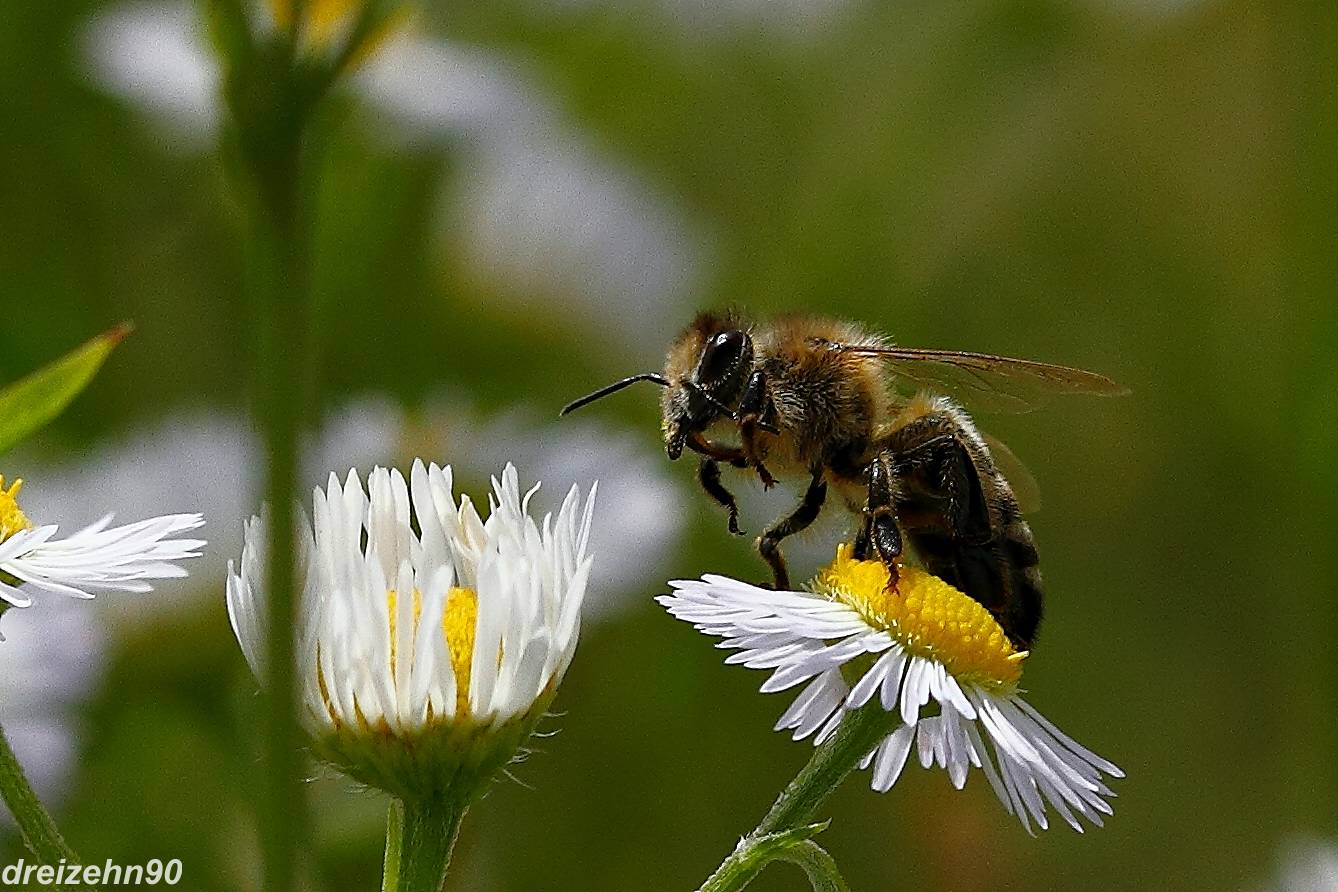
(272, 129)
(420, 835)
(390, 870)
(858, 734)
(35, 823)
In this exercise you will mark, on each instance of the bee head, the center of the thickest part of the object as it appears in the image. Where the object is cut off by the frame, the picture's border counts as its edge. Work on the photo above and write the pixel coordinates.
(719, 369)
(704, 376)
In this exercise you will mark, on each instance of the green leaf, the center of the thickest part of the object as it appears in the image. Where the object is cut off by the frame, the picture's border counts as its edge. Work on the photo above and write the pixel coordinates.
(796, 845)
(818, 866)
(773, 845)
(31, 402)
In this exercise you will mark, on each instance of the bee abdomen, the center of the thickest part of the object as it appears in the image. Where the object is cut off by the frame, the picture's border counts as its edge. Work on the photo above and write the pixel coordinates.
(962, 519)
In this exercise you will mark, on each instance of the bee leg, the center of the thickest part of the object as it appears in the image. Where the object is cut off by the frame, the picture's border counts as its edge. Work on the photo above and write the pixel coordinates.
(718, 451)
(753, 405)
(881, 532)
(971, 537)
(768, 544)
(708, 475)
(940, 490)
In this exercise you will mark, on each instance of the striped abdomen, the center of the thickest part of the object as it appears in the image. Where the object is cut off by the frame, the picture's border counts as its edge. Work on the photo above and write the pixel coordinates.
(961, 517)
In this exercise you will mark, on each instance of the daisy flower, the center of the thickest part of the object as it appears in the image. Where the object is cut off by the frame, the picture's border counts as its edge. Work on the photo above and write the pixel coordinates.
(430, 641)
(853, 641)
(94, 559)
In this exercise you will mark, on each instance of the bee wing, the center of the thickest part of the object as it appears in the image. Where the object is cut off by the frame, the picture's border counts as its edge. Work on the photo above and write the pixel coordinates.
(1025, 488)
(987, 381)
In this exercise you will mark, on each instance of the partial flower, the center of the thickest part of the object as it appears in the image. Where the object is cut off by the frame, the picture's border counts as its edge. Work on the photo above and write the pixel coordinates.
(853, 640)
(537, 212)
(97, 558)
(430, 641)
(352, 28)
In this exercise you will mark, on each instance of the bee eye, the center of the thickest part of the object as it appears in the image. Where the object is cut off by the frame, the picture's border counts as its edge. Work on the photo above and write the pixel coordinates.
(721, 353)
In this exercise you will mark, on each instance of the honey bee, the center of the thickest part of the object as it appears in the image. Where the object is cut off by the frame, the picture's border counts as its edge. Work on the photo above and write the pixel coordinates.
(813, 396)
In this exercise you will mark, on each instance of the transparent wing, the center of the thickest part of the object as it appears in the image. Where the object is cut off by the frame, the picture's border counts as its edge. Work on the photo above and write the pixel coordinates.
(984, 380)
(1025, 488)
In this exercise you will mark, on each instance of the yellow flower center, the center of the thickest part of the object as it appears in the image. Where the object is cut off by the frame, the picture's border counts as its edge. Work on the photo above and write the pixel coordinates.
(458, 622)
(926, 616)
(322, 16)
(12, 518)
(328, 21)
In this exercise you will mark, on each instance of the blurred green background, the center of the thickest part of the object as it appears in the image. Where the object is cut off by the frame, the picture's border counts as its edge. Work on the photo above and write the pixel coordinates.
(1142, 187)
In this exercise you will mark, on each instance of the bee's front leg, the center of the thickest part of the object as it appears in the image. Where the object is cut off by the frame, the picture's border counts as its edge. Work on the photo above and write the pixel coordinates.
(708, 475)
(718, 451)
(753, 406)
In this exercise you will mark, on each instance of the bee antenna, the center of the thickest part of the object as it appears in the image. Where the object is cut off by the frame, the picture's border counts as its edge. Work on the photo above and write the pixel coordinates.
(613, 388)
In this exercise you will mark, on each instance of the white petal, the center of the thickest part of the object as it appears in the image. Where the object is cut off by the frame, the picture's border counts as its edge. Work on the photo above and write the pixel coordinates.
(892, 758)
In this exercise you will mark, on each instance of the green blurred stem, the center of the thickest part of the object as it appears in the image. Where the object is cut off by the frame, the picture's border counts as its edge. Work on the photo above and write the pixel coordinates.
(38, 830)
(282, 402)
(793, 811)
(420, 835)
(273, 119)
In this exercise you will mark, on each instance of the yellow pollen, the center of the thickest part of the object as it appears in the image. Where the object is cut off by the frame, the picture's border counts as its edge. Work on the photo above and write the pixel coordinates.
(458, 622)
(926, 616)
(12, 518)
(392, 605)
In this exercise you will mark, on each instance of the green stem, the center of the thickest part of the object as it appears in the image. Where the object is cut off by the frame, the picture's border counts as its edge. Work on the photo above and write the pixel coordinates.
(420, 835)
(793, 810)
(390, 870)
(281, 403)
(35, 823)
(275, 137)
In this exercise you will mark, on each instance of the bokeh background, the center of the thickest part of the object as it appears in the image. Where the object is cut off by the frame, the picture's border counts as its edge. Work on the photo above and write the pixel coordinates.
(528, 199)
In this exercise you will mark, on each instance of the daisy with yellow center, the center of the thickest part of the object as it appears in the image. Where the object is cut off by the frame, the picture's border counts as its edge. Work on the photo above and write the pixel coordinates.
(853, 639)
(97, 558)
(430, 641)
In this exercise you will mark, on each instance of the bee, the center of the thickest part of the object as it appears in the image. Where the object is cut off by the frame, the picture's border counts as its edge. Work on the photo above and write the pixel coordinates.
(813, 396)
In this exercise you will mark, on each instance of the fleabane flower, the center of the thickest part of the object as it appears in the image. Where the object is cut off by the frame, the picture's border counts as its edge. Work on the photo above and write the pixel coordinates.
(430, 641)
(97, 558)
(855, 641)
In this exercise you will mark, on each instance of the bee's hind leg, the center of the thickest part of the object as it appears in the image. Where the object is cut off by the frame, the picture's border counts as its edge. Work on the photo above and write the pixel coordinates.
(880, 533)
(768, 544)
(708, 475)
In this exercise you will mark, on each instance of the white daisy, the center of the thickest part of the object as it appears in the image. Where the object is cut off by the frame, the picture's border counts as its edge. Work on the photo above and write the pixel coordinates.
(429, 641)
(854, 640)
(94, 559)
